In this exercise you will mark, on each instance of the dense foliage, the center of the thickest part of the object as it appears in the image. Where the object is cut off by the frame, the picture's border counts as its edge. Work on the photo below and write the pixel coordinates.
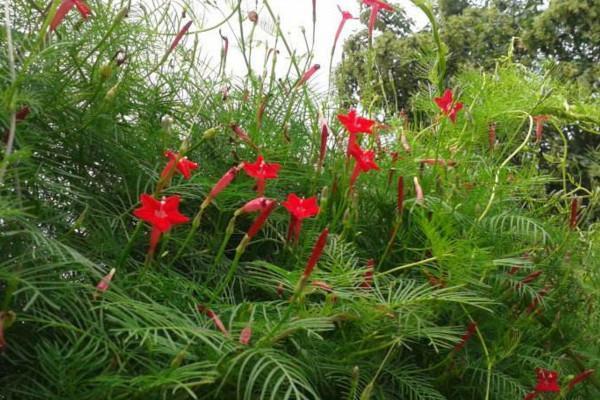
(456, 269)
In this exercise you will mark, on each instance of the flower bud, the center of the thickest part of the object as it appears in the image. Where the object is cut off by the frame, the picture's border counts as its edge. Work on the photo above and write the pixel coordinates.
(105, 71)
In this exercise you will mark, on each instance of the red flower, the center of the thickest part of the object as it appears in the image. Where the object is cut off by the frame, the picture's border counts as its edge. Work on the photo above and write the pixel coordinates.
(299, 209)
(324, 136)
(530, 396)
(368, 276)
(345, 17)
(448, 106)
(260, 220)
(316, 253)
(261, 171)
(365, 162)
(355, 124)
(471, 329)
(183, 165)
(222, 183)
(580, 378)
(211, 314)
(245, 335)
(546, 381)
(64, 8)
(539, 126)
(400, 194)
(258, 204)
(104, 283)
(574, 211)
(376, 6)
(307, 75)
(162, 215)
(83, 8)
(180, 35)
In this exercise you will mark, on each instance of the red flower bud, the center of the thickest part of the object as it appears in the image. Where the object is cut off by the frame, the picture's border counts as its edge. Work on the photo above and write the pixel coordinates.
(223, 182)
(210, 314)
(420, 198)
(316, 252)
(104, 283)
(324, 136)
(574, 210)
(368, 276)
(539, 126)
(262, 217)
(179, 36)
(307, 75)
(245, 335)
(400, 194)
(580, 378)
(471, 329)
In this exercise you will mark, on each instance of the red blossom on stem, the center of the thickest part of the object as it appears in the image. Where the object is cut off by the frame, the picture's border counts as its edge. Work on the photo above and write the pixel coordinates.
(261, 171)
(104, 283)
(355, 125)
(376, 6)
(180, 35)
(162, 215)
(258, 204)
(345, 17)
(64, 8)
(83, 8)
(365, 162)
(368, 276)
(211, 314)
(243, 135)
(260, 220)
(299, 209)
(222, 183)
(448, 106)
(183, 165)
(307, 75)
(580, 378)
(539, 126)
(246, 335)
(546, 381)
(317, 251)
(324, 136)
(400, 198)
(471, 329)
(574, 212)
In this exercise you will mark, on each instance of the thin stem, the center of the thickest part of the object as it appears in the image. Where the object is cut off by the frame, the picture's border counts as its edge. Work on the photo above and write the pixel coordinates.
(13, 76)
(497, 178)
(232, 268)
(405, 266)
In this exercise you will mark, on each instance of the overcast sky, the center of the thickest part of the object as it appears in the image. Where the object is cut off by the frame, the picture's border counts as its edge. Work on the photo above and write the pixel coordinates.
(294, 15)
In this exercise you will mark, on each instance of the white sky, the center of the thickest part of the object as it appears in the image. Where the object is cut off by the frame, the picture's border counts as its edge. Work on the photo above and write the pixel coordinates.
(294, 14)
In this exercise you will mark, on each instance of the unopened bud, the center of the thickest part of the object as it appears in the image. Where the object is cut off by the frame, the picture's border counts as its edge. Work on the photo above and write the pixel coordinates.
(253, 16)
(105, 71)
(210, 133)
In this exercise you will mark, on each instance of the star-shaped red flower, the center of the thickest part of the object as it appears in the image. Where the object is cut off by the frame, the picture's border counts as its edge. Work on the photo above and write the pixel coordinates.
(447, 105)
(163, 214)
(355, 124)
(183, 165)
(376, 6)
(546, 381)
(365, 160)
(261, 171)
(299, 209)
